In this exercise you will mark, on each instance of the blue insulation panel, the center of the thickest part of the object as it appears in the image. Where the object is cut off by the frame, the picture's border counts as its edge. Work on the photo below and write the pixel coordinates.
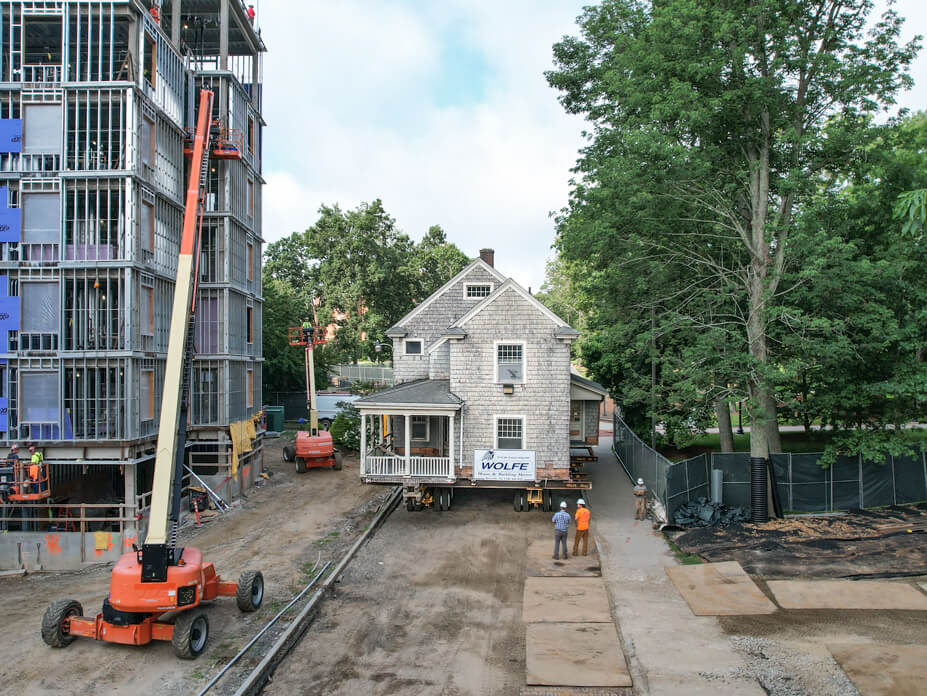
(11, 135)
(9, 316)
(10, 220)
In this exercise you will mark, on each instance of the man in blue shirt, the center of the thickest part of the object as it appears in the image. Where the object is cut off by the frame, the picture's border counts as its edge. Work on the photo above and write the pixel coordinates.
(561, 522)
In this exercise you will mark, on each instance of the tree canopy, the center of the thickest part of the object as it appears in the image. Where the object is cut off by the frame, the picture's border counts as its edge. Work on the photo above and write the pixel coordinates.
(362, 273)
(693, 234)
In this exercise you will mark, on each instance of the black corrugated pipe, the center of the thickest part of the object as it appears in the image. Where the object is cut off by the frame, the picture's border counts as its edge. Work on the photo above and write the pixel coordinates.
(777, 504)
(759, 502)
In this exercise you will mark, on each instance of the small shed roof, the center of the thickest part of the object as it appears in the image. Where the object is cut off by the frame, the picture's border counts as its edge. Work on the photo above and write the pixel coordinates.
(583, 385)
(421, 392)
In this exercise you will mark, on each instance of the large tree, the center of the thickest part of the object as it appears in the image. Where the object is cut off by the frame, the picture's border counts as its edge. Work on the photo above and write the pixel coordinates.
(361, 272)
(707, 136)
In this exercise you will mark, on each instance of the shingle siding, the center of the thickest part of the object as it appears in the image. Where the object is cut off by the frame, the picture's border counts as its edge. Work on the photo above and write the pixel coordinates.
(591, 418)
(439, 366)
(544, 398)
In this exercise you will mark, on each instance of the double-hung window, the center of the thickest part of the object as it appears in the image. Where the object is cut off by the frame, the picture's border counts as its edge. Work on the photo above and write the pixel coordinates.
(510, 432)
(420, 428)
(510, 363)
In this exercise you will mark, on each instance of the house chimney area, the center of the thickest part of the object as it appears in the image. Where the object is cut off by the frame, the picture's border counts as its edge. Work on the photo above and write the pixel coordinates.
(488, 256)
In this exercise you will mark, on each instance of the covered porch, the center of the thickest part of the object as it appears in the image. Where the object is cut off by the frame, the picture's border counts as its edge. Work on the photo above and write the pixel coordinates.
(410, 431)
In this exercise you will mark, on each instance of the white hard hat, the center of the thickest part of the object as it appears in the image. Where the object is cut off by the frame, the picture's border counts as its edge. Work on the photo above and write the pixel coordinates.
(563, 503)
(640, 482)
(580, 502)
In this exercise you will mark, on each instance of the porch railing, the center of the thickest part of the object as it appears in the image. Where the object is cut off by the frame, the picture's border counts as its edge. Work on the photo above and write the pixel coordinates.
(413, 466)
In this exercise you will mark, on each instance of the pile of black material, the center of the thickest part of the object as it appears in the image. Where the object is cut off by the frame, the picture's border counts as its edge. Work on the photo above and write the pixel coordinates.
(704, 513)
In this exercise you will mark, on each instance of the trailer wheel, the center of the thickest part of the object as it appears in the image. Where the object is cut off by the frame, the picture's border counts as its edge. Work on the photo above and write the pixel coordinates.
(410, 504)
(517, 502)
(524, 502)
(300, 465)
(191, 629)
(250, 591)
(441, 500)
(337, 465)
(448, 497)
(289, 453)
(548, 501)
(53, 632)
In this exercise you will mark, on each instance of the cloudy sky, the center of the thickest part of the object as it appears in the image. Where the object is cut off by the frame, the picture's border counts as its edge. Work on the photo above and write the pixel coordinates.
(438, 108)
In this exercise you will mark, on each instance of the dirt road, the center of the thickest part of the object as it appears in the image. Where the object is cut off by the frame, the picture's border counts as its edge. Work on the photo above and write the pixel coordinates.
(432, 605)
(279, 530)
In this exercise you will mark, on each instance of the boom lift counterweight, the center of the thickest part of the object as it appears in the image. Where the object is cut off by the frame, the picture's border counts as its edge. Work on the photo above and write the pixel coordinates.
(162, 577)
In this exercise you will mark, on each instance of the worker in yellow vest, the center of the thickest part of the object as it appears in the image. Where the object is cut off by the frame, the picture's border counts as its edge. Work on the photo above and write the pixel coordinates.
(36, 468)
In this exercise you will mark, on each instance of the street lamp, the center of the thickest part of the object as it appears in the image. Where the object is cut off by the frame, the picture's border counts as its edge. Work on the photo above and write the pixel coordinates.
(378, 348)
(740, 418)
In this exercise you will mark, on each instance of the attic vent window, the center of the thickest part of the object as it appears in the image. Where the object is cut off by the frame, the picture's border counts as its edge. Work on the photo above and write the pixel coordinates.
(478, 290)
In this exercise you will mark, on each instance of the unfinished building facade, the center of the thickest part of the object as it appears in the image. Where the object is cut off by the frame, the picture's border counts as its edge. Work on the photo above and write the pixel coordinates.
(96, 103)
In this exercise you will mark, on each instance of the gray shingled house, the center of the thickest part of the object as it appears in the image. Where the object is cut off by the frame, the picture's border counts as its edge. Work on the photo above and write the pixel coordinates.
(483, 396)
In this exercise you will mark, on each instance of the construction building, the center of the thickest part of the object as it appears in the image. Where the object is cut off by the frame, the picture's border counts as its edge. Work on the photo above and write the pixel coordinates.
(97, 98)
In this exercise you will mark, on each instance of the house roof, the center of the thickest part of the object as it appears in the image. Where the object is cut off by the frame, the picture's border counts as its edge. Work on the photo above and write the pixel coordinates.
(511, 286)
(476, 263)
(587, 384)
(430, 392)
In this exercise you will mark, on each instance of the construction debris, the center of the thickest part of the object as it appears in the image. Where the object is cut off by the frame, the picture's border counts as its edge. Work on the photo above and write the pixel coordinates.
(705, 513)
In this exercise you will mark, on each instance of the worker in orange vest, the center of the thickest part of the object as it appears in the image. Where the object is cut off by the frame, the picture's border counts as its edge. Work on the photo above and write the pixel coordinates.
(35, 468)
(582, 526)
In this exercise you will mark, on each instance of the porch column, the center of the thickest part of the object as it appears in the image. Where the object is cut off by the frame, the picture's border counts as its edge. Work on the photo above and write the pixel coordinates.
(407, 434)
(363, 434)
(450, 445)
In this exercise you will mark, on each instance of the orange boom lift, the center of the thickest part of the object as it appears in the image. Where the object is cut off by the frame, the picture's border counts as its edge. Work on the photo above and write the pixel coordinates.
(315, 449)
(163, 578)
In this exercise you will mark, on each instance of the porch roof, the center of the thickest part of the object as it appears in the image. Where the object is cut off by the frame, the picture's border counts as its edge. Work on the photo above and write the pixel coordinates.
(586, 385)
(421, 392)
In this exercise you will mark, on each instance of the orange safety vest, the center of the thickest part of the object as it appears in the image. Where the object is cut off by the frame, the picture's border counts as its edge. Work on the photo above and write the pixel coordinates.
(582, 519)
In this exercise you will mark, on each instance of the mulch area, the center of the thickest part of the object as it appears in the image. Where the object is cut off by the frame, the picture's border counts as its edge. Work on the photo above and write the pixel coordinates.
(860, 544)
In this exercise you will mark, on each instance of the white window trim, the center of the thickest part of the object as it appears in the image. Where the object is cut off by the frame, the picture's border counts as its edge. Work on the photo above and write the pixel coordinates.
(492, 286)
(405, 347)
(524, 362)
(427, 437)
(495, 430)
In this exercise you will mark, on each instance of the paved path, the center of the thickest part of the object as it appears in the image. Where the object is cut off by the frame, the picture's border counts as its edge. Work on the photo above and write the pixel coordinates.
(669, 650)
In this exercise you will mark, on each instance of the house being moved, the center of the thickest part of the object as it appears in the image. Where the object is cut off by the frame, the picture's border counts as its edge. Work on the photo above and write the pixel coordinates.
(483, 396)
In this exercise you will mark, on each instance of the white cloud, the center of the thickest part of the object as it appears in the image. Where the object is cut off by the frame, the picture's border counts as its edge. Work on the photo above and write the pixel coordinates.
(352, 116)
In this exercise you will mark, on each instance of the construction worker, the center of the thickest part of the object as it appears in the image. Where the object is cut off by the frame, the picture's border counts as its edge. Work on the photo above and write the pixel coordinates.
(582, 526)
(13, 459)
(640, 500)
(36, 467)
(251, 14)
(307, 331)
(561, 522)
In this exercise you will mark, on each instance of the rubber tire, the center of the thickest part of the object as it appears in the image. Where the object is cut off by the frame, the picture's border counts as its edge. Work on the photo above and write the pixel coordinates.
(517, 503)
(548, 501)
(300, 465)
(337, 465)
(54, 616)
(448, 497)
(325, 424)
(523, 502)
(441, 500)
(410, 504)
(289, 453)
(184, 637)
(250, 582)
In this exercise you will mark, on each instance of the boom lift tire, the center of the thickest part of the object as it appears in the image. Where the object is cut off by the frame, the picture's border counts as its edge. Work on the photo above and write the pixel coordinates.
(250, 591)
(53, 632)
(289, 453)
(191, 630)
(337, 465)
(300, 465)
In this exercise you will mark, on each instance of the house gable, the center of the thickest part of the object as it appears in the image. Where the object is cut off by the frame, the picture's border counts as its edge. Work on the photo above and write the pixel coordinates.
(511, 286)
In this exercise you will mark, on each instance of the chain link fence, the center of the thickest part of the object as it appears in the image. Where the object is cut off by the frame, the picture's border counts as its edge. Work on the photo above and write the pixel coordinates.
(802, 483)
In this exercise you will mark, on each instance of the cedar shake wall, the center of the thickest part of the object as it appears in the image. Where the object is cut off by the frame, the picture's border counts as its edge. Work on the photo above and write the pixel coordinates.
(544, 399)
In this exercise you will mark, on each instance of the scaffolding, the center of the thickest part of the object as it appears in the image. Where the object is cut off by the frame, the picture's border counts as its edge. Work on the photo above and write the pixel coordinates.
(96, 97)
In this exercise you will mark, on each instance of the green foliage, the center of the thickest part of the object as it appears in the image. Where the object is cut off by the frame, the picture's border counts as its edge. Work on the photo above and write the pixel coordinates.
(345, 429)
(690, 250)
(362, 271)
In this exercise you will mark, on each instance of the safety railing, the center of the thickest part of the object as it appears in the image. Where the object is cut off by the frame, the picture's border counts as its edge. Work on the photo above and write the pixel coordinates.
(427, 467)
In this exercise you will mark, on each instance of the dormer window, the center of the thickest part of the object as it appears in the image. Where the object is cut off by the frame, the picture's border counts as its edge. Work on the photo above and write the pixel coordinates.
(413, 347)
(477, 290)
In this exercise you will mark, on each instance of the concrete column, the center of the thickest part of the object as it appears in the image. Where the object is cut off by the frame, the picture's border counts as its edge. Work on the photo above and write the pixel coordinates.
(450, 445)
(223, 34)
(363, 449)
(408, 438)
(175, 23)
(255, 81)
(131, 527)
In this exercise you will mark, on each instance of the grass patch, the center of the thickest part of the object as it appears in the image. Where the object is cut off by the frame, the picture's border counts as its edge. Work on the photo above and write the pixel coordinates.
(197, 674)
(681, 556)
